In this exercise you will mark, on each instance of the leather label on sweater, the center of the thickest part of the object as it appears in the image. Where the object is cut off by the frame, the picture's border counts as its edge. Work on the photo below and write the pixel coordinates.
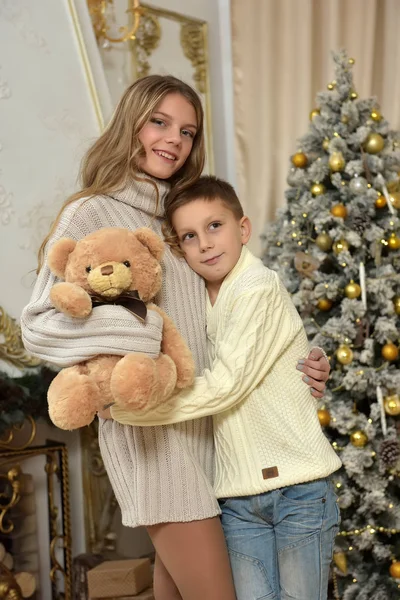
(270, 473)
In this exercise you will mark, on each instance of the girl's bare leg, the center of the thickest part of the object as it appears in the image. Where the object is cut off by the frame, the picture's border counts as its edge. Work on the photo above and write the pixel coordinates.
(164, 586)
(195, 556)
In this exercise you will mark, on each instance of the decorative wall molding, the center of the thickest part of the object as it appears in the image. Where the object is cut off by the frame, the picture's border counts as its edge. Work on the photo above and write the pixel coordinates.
(6, 206)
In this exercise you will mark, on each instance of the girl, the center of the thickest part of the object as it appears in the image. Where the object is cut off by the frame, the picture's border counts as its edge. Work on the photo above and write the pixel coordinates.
(162, 476)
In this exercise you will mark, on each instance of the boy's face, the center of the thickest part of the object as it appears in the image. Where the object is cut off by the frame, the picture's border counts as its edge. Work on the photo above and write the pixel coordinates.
(211, 237)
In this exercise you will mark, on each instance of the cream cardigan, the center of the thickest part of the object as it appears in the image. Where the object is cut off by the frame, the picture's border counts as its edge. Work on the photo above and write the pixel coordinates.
(266, 429)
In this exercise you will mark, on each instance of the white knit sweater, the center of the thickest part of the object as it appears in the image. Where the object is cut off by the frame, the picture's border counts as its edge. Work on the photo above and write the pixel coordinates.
(266, 428)
(159, 474)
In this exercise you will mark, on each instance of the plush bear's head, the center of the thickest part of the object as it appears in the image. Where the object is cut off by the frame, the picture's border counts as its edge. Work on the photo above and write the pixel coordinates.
(111, 261)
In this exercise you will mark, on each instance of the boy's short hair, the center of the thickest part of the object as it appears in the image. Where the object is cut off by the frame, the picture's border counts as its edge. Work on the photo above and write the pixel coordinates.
(207, 187)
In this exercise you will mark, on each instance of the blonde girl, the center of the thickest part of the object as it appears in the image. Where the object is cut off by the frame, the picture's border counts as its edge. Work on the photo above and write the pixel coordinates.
(162, 476)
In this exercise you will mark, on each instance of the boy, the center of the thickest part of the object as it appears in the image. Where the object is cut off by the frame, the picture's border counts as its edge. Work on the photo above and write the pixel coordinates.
(273, 462)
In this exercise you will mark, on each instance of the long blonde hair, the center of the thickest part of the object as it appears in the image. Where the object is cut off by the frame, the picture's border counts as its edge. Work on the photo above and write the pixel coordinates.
(113, 159)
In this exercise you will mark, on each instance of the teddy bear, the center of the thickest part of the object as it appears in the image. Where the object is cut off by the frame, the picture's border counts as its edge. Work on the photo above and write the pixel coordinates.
(114, 266)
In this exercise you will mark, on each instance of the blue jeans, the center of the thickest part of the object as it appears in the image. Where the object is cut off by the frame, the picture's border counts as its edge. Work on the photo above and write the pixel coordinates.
(280, 543)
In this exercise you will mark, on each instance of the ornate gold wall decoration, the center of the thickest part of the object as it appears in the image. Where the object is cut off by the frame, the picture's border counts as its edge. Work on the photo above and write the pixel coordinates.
(147, 39)
(11, 347)
(192, 42)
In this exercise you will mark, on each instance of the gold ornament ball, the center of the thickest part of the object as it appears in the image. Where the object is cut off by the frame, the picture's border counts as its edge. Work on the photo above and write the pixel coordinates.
(394, 242)
(344, 354)
(324, 417)
(380, 202)
(325, 144)
(340, 246)
(352, 290)
(390, 352)
(345, 119)
(374, 143)
(324, 304)
(359, 439)
(324, 242)
(317, 189)
(300, 160)
(395, 569)
(396, 304)
(375, 115)
(353, 95)
(351, 61)
(395, 199)
(392, 405)
(336, 162)
(339, 210)
(314, 113)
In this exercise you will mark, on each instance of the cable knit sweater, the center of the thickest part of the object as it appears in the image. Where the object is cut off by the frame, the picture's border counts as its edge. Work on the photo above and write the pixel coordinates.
(159, 474)
(266, 428)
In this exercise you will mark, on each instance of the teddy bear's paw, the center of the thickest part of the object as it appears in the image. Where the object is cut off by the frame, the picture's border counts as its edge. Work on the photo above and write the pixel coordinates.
(72, 399)
(167, 378)
(134, 381)
(186, 373)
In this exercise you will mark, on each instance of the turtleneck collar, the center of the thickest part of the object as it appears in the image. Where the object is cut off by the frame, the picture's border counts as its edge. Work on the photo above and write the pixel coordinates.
(142, 195)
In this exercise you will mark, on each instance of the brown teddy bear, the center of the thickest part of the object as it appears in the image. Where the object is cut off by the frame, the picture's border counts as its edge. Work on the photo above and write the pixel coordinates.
(113, 266)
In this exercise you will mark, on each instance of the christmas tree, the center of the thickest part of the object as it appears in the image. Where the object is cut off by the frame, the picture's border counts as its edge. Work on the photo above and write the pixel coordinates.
(336, 246)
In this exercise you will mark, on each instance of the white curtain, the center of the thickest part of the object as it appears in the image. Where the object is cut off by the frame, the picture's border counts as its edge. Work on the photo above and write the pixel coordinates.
(282, 58)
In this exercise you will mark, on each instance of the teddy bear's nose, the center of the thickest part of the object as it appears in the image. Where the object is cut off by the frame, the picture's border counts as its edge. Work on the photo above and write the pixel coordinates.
(107, 270)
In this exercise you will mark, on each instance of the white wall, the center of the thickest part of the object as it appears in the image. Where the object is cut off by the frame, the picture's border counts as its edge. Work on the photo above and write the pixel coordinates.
(53, 100)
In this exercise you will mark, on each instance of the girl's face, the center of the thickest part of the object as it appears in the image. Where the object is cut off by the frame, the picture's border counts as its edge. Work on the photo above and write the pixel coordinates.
(168, 137)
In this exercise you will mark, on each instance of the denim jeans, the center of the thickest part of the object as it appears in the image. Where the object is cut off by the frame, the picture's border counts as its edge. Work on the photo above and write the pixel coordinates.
(280, 543)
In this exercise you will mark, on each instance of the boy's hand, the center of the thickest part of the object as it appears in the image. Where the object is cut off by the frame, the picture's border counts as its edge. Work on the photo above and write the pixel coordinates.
(315, 369)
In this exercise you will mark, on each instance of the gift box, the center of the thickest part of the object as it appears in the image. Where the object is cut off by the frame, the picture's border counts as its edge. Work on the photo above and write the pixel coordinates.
(119, 578)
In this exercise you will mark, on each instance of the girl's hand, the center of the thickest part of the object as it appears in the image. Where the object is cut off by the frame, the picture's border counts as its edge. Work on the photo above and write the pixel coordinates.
(316, 369)
(105, 413)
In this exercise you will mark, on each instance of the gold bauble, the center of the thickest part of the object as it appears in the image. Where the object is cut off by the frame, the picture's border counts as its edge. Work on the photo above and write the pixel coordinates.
(325, 144)
(324, 242)
(394, 242)
(392, 186)
(324, 304)
(374, 143)
(331, 86)
(353, 95)
(395, 199)
(340, 560)
(314, 113)
(324, 417)
(396, 304)
(395, 569)
(390, 352)
(351, 61)
(352, 290)
(344, 354)
(392, 405)
(300, 160)
(336, 162)
(380, 202)
(345, 119)
(317, 189)
(375, 115)
(359, 439)
(340, 246)
(339, 210)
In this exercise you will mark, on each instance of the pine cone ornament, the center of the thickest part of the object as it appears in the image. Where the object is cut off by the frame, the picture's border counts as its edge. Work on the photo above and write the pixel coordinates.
(389, 453)
(359, 223)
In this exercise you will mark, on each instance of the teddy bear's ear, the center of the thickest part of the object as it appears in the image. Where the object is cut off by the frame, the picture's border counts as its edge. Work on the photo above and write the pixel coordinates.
(59, 254)
(151, 240)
